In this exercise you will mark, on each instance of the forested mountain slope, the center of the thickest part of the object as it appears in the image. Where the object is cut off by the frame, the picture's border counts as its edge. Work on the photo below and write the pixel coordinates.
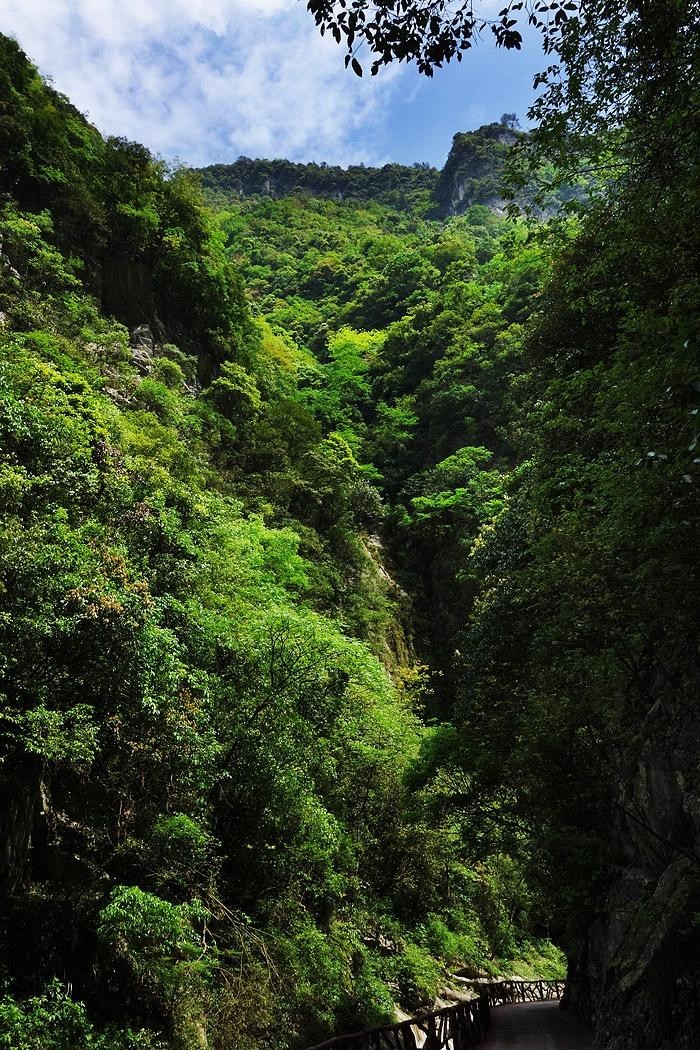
(349, 597)
(533, 432)
(217, 830)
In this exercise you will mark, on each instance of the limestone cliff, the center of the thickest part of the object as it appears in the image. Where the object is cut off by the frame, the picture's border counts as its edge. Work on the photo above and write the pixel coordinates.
(280, 178)
(474, 170)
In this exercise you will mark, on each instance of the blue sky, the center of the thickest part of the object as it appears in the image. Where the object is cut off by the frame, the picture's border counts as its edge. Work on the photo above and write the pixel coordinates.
(204, 81)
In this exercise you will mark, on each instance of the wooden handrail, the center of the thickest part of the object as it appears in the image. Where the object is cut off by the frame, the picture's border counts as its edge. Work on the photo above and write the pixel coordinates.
(458, 1027)
(500, 992)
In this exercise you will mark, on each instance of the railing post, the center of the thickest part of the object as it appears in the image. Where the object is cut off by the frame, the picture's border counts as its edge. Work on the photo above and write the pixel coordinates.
(407, 1036)
(431, 1042)
(460, 1027)
(454, 1028)
(484, 1013)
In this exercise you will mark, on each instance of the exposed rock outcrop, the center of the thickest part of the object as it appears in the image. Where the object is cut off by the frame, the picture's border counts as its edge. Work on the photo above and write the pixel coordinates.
(127, 290)
(474, 170)
(280, 178)
(143, 346)
(638, 970)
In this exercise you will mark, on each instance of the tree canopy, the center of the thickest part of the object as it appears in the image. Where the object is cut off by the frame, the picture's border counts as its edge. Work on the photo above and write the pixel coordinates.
(430, 33)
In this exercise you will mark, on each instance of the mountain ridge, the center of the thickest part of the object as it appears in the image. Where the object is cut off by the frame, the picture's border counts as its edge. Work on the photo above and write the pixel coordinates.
(472, 174)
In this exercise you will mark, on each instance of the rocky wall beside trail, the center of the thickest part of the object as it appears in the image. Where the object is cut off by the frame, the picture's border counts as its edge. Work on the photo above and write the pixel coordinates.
(637, 971)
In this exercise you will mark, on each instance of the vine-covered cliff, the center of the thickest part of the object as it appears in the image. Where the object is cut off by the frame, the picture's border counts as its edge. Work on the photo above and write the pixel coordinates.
(395, 184)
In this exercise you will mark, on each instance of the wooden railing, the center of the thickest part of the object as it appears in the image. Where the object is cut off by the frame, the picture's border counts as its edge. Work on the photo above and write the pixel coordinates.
(524, 991)
(458, 1027)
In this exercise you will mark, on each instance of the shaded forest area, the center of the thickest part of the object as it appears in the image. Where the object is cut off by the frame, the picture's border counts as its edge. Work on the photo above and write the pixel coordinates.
(348, 592)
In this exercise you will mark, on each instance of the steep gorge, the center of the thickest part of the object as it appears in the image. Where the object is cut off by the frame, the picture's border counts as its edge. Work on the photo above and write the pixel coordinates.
(344, 538)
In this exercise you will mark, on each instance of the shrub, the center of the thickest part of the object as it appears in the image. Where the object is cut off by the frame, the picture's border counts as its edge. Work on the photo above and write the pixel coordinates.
(417, 976)
(157, 398)
(168, 372)
(54, 1021)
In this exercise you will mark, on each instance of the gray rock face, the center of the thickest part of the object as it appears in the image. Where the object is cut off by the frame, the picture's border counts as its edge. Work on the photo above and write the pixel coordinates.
(143, 346)
(16, 820)
(474, 170)
(142, 337)
(638, 971)
(127, 290)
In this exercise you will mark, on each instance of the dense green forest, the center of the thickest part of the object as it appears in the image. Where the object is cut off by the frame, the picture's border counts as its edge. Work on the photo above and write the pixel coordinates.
(348, 586)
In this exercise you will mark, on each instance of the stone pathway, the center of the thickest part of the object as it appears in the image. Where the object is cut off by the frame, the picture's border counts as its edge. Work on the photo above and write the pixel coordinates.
(535, 1026)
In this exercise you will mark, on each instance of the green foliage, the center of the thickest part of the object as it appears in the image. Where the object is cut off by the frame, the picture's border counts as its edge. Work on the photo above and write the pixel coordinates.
(323, 625)
(338, 388)
(235, 393)
(456, 494)
(167, 370)
(154, 936)
(53, 1021)
(65, 736)
(417, 976)
(172, 635)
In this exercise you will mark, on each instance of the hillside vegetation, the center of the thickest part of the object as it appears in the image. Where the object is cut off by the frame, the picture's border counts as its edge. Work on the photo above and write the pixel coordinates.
(348, 595)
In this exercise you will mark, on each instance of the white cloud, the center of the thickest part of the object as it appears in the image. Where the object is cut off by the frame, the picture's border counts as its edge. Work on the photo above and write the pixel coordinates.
(205, 80)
